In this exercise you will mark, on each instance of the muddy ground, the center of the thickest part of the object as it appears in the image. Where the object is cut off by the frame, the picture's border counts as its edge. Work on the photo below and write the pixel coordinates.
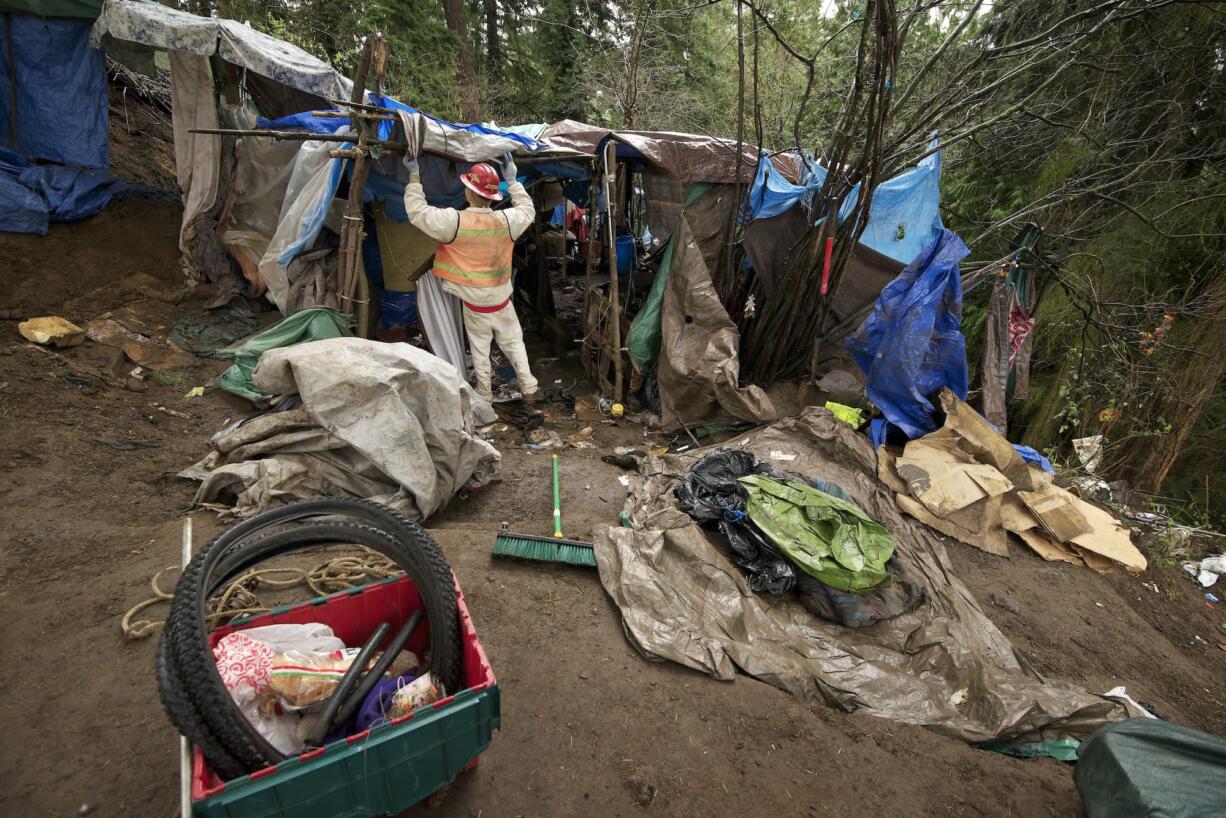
(589, 727)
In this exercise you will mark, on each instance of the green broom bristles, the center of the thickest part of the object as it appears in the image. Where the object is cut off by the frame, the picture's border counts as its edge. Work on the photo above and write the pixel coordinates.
(544, 549)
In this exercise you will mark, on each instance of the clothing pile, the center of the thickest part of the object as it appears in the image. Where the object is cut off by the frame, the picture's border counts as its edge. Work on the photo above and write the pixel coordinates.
(786, 534)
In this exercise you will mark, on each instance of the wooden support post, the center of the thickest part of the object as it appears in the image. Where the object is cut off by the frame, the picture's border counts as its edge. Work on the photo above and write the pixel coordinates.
(352, 229)
(615, 328)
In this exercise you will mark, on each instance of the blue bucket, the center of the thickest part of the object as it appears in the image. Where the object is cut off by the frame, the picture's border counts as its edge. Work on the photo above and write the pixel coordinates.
(627, 257)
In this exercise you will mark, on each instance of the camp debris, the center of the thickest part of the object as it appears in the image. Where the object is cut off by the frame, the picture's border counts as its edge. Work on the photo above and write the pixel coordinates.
(51, 330)
(966, 481)
(301, 327)
(943, 665)
(386, 422)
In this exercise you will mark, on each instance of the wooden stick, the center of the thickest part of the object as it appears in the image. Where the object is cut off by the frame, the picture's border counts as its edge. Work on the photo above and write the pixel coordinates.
(610, 178)
(351, 229)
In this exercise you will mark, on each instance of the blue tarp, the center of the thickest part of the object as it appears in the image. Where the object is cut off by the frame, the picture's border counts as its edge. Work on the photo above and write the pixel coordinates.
(911, 344)
(904, 216)
(61, 92)
(31, 195)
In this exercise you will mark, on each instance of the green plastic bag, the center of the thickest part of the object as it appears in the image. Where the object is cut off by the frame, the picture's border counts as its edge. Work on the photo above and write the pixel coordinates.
(305, 325)
(828, 538)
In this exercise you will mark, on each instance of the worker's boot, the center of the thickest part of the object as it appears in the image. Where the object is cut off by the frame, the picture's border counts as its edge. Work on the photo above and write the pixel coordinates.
(535, 396)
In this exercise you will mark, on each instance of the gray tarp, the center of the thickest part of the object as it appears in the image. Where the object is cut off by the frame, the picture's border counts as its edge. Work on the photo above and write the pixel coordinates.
(944, 666)
(390, 422)
(698, 367)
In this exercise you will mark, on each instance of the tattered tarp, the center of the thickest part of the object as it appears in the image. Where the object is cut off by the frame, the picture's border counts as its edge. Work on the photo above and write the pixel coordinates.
(698, 368)
(158, 26)
(389, 422)
(944, 666)
(60, 82)
(911, 344)
(686, 157)
(303, 326)
(904, 215)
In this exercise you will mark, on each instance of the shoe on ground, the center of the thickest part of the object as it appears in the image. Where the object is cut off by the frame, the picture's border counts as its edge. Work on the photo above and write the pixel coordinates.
(535, 396)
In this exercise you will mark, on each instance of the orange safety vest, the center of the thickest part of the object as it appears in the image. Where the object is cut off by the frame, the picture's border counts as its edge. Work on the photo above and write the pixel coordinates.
(480, 253)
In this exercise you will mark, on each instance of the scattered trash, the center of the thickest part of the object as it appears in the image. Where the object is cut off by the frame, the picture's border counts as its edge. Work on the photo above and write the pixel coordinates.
(150, 353)
(542, 438)
(581, 435)
(617, 410)
(624, 480)
(778, 455)
(1207, 571)
(52, 330)
(848, 414)
(171, 412)
(1212, 598)
(965, 480)
(194, 392)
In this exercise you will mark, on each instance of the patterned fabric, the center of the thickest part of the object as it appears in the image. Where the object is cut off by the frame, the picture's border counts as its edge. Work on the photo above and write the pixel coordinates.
(1020, 325)
(159, 26)
(244, 664)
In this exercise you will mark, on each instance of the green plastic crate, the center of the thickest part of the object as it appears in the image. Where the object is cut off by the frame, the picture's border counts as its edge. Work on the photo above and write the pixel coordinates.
(378, 772)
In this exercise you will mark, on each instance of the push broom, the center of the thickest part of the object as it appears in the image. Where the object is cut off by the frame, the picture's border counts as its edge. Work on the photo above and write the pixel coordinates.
(546, 549)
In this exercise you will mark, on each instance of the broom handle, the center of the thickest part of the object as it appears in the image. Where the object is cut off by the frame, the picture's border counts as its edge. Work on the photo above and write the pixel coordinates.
(557, 502)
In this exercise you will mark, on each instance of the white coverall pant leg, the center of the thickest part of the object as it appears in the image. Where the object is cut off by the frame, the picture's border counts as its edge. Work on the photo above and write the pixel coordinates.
(502, 326)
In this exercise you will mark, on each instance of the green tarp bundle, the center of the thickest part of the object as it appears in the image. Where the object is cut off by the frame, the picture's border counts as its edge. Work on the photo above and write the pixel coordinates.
(1149, 768)
(827, 537)
(306, 325)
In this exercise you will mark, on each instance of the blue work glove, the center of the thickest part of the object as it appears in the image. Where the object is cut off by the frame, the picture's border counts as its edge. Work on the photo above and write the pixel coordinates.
(509, 171)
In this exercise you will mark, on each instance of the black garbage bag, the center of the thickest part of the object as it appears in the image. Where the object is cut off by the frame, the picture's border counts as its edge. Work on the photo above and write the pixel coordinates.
(710, 492)
(765, 567)
(710, 486)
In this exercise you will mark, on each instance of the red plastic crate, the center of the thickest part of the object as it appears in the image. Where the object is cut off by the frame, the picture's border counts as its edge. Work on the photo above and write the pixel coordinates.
(417, 753)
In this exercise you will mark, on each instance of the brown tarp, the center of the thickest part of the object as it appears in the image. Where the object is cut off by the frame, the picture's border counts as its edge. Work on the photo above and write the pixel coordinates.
(699, 367)
(944, 666)
(685, 157)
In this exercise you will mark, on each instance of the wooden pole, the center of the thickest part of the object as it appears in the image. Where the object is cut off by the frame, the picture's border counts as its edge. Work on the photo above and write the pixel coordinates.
(352, 229)
(615, 330)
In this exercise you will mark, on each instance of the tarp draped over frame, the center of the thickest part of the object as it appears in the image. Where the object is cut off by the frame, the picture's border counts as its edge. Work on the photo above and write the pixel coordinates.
(904, 215)
(698, 367)
(944, 666)
(158, 26)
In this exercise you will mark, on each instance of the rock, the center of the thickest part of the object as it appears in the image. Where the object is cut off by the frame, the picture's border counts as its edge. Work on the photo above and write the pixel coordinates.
(1002, 601)
(584, 675)
(643, 791)
(51, 330)
(135, 385)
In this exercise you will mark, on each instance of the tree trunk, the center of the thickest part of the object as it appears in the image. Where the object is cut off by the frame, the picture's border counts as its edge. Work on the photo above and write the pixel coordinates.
(470, 100)
(630, 101)
(1146, 462)
(493, 42)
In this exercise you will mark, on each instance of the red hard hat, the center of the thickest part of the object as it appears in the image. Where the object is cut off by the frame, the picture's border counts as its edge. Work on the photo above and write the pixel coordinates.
(482, 180)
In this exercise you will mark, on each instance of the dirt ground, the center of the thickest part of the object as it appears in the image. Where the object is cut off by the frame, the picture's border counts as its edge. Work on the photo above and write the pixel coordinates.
(589, 727)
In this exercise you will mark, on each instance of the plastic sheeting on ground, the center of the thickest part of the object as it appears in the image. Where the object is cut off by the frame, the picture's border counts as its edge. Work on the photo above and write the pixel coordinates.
(944, 666)
(389, 422)
(911, 344)
(301, 327)
(32, 195)
(1148, 768)
(61, 104)
(904, 215)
